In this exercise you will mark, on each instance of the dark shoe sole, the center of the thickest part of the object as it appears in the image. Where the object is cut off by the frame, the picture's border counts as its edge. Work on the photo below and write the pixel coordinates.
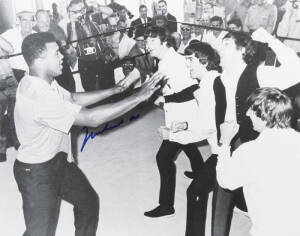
(161, 217)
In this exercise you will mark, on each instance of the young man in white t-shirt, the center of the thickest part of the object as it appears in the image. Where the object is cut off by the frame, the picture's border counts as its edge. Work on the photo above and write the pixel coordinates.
(44, 114)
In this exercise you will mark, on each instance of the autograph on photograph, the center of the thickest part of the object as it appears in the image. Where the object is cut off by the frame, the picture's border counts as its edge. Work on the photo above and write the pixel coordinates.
(107, 127)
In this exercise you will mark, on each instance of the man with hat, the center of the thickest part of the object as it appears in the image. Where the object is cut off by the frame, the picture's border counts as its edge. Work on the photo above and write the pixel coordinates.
(144, 62)
(15, 36)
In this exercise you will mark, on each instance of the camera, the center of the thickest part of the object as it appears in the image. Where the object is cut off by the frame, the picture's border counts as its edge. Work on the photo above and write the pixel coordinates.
(89, 50)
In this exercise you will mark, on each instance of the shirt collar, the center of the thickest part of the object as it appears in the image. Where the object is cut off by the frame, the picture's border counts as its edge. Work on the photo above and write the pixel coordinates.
(169, 54)
(38, 82)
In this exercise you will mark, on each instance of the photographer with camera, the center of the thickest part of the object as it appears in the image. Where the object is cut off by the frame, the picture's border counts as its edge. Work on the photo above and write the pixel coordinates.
(94, 54)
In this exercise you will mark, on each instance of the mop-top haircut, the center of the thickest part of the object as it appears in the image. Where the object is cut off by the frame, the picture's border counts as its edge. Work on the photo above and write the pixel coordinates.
(200, 49)
(34, 45)
(272, 106)
(255, 52)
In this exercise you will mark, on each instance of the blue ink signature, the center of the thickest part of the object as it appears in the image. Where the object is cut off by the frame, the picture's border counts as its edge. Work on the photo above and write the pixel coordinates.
(107, 127)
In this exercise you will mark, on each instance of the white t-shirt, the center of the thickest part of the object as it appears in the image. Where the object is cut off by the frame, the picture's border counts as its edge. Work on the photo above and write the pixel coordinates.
(43, 118)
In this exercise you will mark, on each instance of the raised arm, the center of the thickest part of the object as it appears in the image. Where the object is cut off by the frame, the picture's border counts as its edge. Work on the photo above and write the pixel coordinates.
(283, 76)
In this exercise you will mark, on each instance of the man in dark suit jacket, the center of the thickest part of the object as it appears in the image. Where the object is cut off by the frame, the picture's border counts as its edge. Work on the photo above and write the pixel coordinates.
(163, 9)
(144, 63)
(143, 19)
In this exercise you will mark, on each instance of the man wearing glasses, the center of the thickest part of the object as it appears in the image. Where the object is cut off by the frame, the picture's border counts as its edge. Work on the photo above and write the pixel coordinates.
(186, 34)
(93, 53)
(144, 63)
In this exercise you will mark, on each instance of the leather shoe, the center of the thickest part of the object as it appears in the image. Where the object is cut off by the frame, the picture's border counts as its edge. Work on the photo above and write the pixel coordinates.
(160, 211)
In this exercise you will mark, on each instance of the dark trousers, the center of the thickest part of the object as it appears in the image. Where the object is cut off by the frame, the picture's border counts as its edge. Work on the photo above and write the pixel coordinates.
(165, 159)
(224, 201)
(197, 196)
(95, 75)
(44, 185)
(8, 88)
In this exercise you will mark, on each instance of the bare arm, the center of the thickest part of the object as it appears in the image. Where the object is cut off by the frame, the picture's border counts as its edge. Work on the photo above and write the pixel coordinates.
(104, 113)
(5, 45)
(284, 75)
(88, 98)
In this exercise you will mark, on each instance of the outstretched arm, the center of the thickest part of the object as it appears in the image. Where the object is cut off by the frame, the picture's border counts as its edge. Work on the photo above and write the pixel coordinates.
(104, 113)
(89, 98)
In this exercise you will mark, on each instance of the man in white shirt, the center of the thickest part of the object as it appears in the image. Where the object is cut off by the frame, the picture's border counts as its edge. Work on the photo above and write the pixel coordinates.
(15, 36)
(43, 174)
(179, 105)
(215, 37)
(186, 33)
(267, 168)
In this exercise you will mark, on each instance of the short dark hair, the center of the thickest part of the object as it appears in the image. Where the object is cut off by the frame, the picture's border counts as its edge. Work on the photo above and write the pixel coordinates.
(163, 35)
(130, 59)
(35, 44)
(216, 18)
(213, 58)
(122, 7)
(165, 2)
(244, 40)
(142, 6)
(272, 106)
(235, 21)
(159, 32)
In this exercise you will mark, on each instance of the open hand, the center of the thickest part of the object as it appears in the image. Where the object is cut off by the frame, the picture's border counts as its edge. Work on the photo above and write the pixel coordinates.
(150, 86)
(130, 79)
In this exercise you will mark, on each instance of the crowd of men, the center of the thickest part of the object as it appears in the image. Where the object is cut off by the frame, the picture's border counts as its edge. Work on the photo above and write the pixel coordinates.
(212, 84)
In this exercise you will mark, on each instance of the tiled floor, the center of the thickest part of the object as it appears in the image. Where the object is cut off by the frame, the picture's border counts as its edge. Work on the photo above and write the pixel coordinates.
(121, 166)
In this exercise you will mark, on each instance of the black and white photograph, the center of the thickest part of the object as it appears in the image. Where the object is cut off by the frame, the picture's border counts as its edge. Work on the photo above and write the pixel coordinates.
(149, 117)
